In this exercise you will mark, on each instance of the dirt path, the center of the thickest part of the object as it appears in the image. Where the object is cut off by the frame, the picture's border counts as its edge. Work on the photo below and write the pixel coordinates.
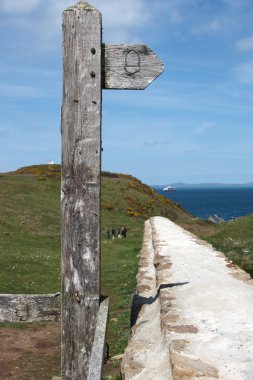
(30, 352)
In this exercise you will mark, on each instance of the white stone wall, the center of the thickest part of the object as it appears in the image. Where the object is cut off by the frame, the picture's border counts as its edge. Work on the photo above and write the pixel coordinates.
(197, 311)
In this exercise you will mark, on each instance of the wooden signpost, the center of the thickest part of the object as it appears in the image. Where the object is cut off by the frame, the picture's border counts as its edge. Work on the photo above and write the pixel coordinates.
(88, 66)
(130, 67)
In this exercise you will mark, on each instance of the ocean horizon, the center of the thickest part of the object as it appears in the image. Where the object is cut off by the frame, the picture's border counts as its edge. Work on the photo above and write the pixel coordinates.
(203, 202)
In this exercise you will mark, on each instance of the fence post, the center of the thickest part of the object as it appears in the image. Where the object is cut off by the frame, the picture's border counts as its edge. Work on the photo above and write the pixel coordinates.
(81, 165)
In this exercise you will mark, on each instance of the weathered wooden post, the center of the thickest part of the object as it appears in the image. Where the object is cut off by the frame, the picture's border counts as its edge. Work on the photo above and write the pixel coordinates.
(81, 146)
(85, 71)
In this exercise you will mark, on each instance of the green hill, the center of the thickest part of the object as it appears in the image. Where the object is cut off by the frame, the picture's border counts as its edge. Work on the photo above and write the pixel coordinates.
(30, 236)
(235, 240)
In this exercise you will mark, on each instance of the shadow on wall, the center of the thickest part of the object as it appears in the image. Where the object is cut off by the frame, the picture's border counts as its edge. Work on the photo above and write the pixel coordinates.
(139, 301)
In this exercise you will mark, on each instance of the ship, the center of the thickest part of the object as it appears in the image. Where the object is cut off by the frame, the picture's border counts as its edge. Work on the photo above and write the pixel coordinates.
(169, 188)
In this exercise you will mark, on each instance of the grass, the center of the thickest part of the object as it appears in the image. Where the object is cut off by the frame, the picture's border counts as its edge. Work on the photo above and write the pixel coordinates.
(30, 235)
(119, 265)
(235, 240)
(30, 238)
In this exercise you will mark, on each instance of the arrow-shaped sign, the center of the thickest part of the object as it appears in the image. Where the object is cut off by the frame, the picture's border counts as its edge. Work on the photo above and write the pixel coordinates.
(130, 67)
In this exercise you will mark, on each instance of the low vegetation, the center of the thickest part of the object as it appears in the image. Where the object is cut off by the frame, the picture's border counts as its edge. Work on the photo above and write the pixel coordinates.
(30, 238)
(235, 240)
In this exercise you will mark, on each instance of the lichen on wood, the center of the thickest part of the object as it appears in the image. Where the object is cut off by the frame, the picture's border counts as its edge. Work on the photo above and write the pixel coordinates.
(81, 5)
(81, 167)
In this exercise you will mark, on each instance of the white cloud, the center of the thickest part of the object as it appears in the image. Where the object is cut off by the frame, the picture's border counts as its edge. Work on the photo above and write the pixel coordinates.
(210, 26)
(203, 127)
(120, 19)
(14, 91)
(236, 4)
(156, 143)
(214, 25)
(203, 18)
(4, 133)
(245, 44)
(124, 13)
(244, 73)
(18, 6)
(176, 16)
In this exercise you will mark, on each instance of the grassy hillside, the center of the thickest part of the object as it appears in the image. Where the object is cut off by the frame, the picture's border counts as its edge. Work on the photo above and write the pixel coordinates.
(30, 222)
(30, 237)
(29, 234)
(235, 240)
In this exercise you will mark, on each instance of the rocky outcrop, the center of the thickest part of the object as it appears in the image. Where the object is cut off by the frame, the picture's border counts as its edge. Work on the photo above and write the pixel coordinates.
(192, 313)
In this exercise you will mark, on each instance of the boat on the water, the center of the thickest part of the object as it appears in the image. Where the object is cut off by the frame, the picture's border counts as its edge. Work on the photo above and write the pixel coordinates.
(169, 188)
(216, 219)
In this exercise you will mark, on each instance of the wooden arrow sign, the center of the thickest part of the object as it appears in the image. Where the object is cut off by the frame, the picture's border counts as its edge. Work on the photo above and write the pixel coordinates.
(130, 67)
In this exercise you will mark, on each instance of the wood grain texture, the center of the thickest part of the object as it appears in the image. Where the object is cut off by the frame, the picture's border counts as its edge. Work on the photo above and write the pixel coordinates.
(98, 348)
(130, 67)
(30, 308)
(81, 145)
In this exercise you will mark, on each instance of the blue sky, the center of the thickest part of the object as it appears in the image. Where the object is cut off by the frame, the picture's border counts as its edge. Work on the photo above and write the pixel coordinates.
(193, 124)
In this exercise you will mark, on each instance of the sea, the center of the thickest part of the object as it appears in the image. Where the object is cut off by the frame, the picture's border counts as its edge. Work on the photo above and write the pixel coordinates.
(227, 203)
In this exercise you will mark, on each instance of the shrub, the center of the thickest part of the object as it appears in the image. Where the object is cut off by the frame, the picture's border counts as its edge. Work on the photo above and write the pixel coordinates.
(107, 206)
